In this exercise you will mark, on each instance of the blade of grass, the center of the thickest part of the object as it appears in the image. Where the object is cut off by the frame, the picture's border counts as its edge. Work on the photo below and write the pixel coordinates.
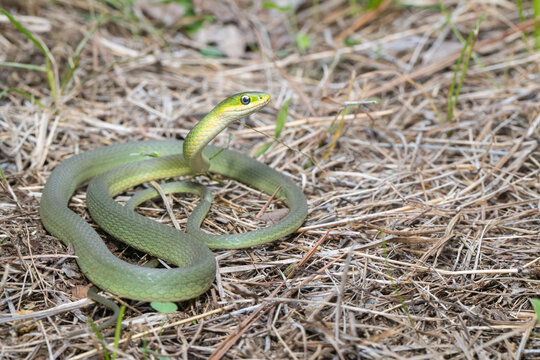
(536, 307)
(471, 40)
(464, 57)
(262, 149)
(282, 118)
(22, 29)
(341, 123)
(336, 134)
(27, 95)
(100, 338)
(462, 40)
(118, 329)
(280, 124)
(221, 150)
(68, 75)
(394, 285)
(74, 63)
(520, 10)
(312, 161)
(23, 66)
(48, 56)
(536, 16)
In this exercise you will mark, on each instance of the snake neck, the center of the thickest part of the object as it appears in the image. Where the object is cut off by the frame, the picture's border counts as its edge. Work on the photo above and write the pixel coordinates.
(201, 134)
(232, 108)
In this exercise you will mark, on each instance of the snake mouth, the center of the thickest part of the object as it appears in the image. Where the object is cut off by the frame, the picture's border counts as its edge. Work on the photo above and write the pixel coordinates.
(264, 99)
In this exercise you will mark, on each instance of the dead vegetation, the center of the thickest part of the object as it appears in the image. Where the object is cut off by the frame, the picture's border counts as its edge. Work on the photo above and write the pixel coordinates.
(423, 236)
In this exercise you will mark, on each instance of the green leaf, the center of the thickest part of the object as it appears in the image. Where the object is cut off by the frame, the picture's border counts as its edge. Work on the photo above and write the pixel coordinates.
(373, 4)
(23, 66)
(281, 53)
(536, 307)
(350, 41)
(309, 164)
(70, 70)
(48, 56)
(282, 117)
(271, 5)
(462, 64)
(520, 10)
(28, 96)
(302, 41)
(23, 30)
(280, 123)
(118, 328)
(536, 15)
(164, 307)
(196, 25)
(68, 74)
(100, 338)
(212, 51)
(261, 150)
(373, 99)
(2, 175)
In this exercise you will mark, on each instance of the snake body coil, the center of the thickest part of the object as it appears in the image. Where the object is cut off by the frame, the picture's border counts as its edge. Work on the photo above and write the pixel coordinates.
(116, 168)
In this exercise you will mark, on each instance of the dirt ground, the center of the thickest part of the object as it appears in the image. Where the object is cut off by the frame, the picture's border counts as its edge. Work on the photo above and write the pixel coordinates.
(413, 129)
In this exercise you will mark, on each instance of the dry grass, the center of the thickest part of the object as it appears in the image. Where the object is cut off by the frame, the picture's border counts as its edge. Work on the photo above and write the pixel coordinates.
(423, 236)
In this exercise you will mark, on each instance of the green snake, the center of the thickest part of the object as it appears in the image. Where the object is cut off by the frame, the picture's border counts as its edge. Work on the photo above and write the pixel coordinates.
(116, 168)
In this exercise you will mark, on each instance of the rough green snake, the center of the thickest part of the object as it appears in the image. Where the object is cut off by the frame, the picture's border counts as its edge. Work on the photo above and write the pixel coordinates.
(113, 169)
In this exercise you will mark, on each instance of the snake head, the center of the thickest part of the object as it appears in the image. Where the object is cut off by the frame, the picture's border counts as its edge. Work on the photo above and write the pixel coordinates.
(226, 112)
(242, 104)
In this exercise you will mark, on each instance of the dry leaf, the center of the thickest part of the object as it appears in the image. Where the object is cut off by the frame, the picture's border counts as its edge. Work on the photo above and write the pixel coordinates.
(221, 10)
(274, 216)
(80, 292)
(166, 13)
(445, 49)
(229, 39)
(27, 325)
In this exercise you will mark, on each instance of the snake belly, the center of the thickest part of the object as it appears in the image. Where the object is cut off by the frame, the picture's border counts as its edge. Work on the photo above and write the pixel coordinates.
(125, 165)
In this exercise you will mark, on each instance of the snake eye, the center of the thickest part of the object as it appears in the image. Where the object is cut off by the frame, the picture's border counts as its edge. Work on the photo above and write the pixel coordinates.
(245, 100)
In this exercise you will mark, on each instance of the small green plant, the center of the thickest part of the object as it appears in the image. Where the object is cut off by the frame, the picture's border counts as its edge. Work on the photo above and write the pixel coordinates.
(462, 64)
(25, 94)
(373, 4)
(146, 351)
(196, 22)
(212, 52)
(536, 307)
(302, 39)
(117, 332)
(118, 328)
(355, 8)
(3, 176)
(164, 307)
(520, 10)
(389, 272)
(95, 328)
(536, 16)
(57, 84)
(336, 127)
(280, 123)
(49, 69)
